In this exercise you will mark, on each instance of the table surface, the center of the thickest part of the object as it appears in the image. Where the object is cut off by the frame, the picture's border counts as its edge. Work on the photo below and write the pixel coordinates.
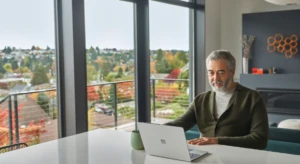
(113, 147)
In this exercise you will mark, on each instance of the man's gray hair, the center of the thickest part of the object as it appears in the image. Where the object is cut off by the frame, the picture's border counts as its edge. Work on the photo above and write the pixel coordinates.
(222, 54)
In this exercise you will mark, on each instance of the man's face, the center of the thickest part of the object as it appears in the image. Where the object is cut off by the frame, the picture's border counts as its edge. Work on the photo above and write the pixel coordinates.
(219, 75)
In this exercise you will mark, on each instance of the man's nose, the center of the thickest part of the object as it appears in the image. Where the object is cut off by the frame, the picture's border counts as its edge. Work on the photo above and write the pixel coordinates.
(216, 76)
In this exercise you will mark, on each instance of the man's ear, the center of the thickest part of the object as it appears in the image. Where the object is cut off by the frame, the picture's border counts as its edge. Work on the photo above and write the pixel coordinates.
(233, 72)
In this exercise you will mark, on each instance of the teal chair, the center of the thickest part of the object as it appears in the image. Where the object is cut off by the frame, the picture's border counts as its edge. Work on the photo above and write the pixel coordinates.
(284, 140)
(192, 133)
(280, 140)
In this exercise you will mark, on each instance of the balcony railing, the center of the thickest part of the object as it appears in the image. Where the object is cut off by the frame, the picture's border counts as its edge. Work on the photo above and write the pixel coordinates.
(31, 117)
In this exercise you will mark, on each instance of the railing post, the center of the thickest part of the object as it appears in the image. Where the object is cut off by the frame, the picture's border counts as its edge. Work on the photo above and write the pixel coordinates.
(11, 139)
(16, 117)
(153, 96)
(115, 105)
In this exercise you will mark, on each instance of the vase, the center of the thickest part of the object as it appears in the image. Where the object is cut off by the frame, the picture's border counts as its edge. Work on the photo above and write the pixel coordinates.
(245, 65)
(136, 140)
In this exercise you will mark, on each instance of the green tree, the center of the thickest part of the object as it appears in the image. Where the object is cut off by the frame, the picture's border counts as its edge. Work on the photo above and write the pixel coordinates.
(110, 77)
(162, 66)
(126, 69)
(183, 85)
(26, 62)
(7, 67)
(182, 56)
(120, 72)
(33, 48)
(105, 68)
(91, 50)
(14, 64)
(97, 50)
(91, 73)
(2, 70)
(8, 50)
(43, 101)
(48, 48)
(93, 53)
(39, 75)
(1, 75)
(159, 55)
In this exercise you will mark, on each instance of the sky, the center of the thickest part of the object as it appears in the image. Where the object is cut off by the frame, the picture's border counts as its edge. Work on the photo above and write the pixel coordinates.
(109, 24)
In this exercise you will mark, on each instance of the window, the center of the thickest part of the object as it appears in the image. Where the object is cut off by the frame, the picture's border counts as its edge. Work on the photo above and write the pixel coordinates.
(28, 72)
(169, 45)
(110, 64)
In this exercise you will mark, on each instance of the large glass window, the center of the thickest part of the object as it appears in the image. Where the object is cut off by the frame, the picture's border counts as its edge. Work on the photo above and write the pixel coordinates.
(169, 46)
(27, 72)
(110, 64)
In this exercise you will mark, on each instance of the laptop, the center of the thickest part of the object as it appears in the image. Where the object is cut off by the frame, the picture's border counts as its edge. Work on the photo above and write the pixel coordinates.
(168, 142)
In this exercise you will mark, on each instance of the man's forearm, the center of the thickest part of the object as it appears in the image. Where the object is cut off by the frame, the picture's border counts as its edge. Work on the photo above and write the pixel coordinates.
(253, 141)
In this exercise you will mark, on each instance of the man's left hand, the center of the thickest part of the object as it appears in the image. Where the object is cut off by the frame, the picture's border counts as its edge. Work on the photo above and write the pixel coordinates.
(203, 141)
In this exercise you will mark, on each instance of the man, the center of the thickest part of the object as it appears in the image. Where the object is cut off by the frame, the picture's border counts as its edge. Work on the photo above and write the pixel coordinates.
(230, 114)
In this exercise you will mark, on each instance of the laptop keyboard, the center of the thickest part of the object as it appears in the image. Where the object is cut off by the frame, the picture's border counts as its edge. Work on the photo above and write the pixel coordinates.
(193, 155)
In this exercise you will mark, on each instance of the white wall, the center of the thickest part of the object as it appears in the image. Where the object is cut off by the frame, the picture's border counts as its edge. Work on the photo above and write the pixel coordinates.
(224, 25)
(213, 28)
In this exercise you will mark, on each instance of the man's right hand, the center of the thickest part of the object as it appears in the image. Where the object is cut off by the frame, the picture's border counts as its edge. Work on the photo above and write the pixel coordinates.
(203, 141)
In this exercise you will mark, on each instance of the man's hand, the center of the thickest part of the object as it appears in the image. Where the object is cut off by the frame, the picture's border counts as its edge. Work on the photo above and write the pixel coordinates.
(203, 141)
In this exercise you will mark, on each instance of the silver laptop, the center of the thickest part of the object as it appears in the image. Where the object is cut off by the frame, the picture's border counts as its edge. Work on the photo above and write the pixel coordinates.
(167, 141)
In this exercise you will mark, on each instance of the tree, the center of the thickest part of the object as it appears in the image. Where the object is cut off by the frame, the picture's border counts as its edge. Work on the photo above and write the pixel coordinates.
(7, 67)
(14, 64)
(91, 50)
(39, 75)
(183, 75)
(92, 94)
(43, 101)
(126, 69)
(98, 50)
(26, 62)
(182, 56)
(48, 48)
(159, 55)
(37, 48)
(105, 67)
(120, 72)
(163, 66)
(33, 48)
(91, 73)
(8, 50)
(2, 70)
(25, 70)
(173, 75)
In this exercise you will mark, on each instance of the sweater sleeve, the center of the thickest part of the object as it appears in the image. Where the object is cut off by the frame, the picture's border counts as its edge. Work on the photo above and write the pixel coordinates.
(259, 129)
(187, 120)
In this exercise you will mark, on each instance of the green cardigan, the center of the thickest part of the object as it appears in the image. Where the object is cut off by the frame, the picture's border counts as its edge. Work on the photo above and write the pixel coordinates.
(243, 124)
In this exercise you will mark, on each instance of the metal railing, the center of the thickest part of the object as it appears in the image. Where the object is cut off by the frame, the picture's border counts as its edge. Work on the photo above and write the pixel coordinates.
(115, 97)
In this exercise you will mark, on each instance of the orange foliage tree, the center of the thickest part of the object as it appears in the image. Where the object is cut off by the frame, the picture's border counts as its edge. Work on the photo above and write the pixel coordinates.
(92, 93)
(166, 94)
(26, 134)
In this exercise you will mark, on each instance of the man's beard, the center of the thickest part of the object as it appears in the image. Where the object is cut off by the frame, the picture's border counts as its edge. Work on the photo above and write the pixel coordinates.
(224, 85)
